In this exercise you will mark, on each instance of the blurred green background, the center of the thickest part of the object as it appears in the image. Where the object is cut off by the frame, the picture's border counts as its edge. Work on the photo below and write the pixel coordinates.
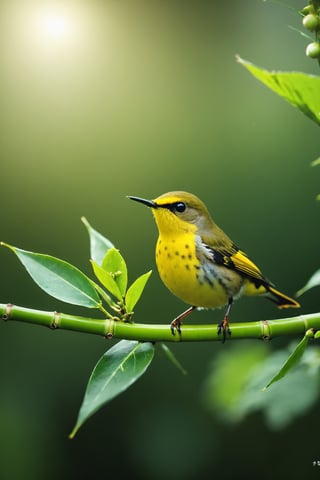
(103, 99)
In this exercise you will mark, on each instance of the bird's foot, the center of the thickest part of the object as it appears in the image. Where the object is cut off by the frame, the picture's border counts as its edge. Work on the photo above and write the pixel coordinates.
(175, 326)
(176, 323)
(224, 329)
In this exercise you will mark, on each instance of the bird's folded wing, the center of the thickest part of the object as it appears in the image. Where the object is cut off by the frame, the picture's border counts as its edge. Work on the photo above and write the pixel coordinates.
(235, 259)
(243, 264)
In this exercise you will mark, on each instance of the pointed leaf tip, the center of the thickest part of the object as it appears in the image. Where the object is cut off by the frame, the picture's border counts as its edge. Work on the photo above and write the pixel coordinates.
(292, 360)
(135, 291)
(299, 89)
(58, 278)
(116, 371)
(314, 281)
(173, 359)
(99, 245)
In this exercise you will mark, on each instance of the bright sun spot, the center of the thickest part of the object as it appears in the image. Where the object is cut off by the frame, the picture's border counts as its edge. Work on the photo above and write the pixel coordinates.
(55, 26)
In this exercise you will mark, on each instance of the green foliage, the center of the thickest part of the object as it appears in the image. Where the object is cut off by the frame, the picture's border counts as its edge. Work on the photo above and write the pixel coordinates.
(314, 281)
(58, 278)
(173, 359)
(135, 291)
(117, 369)
(107, 278)
(299, 89)
(99, 245)
(67, 283)
(114, 264)
(292, 360)
(234, 388)
(124, 363)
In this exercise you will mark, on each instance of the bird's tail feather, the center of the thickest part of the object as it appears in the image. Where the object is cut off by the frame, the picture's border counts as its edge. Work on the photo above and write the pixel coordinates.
(282, 300)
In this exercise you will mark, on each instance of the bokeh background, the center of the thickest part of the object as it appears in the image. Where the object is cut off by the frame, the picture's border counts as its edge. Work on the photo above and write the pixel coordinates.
(103, 99)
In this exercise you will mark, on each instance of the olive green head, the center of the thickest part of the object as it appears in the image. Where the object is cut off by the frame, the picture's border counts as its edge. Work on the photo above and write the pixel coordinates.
(176, 211)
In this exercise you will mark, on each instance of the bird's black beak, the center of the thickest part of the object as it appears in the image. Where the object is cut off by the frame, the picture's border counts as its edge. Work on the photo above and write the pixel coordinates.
(149, 203)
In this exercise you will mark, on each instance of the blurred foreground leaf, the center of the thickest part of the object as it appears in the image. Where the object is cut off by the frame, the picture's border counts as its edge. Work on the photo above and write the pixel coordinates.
(229, 374)
(300, 89)
(234, 387)
(314, 281)
(117, 369)
(315, 162)
(58, 278)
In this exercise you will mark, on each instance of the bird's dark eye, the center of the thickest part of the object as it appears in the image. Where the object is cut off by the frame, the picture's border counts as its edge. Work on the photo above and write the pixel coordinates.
(179, 207)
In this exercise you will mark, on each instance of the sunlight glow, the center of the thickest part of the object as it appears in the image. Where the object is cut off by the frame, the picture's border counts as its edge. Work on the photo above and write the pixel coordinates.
(55, 25)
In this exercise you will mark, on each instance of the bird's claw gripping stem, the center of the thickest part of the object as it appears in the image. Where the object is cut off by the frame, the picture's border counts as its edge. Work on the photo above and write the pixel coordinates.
(224, 329)
(175, 325)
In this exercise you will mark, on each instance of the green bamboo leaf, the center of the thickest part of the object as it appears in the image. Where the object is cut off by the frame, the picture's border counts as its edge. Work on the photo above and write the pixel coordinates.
(173, 359)
(135, 290)
(315, 162)
(299, 89)
(301, 32)
(99, 245)
(293, 359)
(115, 265)
(234, 397)
(106, 280)
(58, 278)
(314, 281)
(116, 371)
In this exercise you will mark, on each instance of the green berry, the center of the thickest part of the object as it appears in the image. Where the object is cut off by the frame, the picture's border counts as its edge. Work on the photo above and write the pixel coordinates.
(313, 50)
(310, 333)
(311, 22)
(307, 9)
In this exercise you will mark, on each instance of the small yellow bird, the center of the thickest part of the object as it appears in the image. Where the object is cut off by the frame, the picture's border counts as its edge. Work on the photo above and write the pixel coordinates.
(199, 263)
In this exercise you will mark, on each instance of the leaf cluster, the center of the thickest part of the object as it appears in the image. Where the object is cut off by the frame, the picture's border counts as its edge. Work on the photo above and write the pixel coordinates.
(67, 283)
(124, 363)
(234, 398)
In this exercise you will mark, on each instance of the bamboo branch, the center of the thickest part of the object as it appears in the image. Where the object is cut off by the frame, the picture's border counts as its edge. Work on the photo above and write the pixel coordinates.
(109, 328)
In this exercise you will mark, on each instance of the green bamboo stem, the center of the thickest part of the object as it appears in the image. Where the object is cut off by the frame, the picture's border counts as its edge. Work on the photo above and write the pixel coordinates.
(109, 328)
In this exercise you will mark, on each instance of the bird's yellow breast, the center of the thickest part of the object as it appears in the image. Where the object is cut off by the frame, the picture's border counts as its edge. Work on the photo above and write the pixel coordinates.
(201, 283)
(182, 273)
